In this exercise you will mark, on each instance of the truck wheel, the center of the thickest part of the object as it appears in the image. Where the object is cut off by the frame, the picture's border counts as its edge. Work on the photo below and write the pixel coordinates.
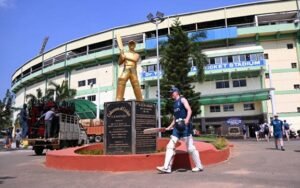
(98, 139)
(38, 150)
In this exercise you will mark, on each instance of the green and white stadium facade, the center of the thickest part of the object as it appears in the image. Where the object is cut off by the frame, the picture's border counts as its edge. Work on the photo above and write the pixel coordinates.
(246, 45)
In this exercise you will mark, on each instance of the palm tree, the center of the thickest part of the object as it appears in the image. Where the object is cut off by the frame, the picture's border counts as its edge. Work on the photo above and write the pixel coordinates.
(38, 99)
(60, 92)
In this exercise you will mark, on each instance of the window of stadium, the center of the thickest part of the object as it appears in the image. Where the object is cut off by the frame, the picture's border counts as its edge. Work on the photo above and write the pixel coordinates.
(222, 84)
(249, 106)
(215, 108)
(239, 83)
(81, 83)
(228, 107)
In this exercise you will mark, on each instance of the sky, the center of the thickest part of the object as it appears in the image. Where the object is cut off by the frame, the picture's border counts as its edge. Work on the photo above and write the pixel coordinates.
(25, 23)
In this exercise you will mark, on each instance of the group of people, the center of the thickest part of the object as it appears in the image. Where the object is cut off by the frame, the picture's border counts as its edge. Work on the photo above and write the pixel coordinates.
(280, 129)
(10, 137)
(19, 135)
(262, 131)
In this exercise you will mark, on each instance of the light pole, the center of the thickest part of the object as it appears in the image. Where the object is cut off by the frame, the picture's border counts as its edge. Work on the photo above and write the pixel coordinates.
(98, 100)
(298, 14)
(159, 18)
(272, 91)
(98, 103)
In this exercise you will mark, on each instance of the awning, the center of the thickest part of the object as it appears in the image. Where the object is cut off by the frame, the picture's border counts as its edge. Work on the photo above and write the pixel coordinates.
(149, 61)
(244, 74)
(85, 109)
(219, 76)
(237, 97)
(233, 51)
(226, 98)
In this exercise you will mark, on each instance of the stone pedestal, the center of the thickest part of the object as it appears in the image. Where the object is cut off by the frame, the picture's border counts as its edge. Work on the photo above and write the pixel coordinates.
(124, 122)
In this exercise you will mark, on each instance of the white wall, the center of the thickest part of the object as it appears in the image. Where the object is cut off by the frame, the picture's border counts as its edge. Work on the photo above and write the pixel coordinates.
(20, 98)
(102, 73)
(286, 103)
(32, 88)
(280, 59)
(57, 79)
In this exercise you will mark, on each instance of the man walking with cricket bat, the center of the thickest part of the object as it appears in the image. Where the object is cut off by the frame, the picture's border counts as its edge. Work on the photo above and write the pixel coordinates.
(181, 126)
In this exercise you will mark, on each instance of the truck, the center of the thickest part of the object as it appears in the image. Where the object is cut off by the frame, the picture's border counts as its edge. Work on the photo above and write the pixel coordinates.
(94, 129)
(67, 131)
(70, 133)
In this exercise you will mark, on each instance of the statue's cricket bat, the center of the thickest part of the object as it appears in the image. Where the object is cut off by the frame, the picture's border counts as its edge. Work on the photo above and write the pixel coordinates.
(120, 43)
(154, 130)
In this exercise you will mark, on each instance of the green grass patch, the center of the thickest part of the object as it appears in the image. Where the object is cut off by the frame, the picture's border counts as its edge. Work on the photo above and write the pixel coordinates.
(206, 138)
(90, 152)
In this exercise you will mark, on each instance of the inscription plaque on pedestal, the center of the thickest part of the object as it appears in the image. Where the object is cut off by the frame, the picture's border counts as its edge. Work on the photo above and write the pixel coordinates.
(145, 117)
(124, 122)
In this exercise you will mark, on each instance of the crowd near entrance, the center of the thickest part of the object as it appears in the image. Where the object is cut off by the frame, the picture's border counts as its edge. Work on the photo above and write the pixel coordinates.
(230, 126)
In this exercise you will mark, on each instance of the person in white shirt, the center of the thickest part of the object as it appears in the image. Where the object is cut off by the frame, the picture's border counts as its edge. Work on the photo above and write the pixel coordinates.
(18, 138)
(48, 121)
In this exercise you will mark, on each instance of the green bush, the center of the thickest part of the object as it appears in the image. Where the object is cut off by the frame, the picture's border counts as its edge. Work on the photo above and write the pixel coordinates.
(90, 152)
(220, 143)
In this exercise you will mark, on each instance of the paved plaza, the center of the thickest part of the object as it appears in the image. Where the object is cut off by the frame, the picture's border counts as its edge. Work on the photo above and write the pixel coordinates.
(252, 164)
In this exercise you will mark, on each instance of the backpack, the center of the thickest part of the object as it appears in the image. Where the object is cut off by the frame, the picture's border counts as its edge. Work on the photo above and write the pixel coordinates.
(266, 128)
(286, 126)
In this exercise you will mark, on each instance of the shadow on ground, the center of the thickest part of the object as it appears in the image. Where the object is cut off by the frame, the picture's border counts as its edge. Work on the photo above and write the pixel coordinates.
(5, 178)
(271, 149)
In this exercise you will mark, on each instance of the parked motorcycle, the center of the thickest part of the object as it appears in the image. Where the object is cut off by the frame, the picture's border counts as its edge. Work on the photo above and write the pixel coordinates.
(293, 134)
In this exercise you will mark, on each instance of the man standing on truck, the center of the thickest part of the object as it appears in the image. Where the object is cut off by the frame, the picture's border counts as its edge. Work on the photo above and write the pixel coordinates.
(49, 115)
(23, 120)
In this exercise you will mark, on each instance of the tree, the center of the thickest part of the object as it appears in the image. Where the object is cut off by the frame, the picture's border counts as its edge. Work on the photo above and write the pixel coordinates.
(177, 54)
(62, 91)
(38, 99)
(6, 110)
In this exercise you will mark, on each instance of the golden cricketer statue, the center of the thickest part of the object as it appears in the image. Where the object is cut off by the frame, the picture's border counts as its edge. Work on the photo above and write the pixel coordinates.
(129, 59)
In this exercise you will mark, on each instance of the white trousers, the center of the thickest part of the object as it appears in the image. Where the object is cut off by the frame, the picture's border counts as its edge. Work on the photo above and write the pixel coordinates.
(170, 152)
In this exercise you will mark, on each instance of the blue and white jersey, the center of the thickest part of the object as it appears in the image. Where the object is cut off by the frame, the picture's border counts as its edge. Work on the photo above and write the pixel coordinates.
(277, 125)
(180, 130)
(179, 109)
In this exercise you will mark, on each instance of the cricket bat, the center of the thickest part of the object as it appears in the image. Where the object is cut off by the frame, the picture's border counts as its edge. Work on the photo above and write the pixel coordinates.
(120, 43)
(154, 130)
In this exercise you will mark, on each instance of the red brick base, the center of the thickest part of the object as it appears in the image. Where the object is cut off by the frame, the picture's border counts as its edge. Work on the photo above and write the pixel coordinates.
(67, 159)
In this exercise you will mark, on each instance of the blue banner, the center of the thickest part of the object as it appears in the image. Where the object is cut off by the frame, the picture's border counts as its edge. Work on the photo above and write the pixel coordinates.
(234, 121)
(234, 65)
(215, 67)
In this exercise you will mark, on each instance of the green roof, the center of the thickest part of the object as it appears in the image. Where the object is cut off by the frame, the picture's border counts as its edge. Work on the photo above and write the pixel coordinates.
(85, 109)
(237, 97)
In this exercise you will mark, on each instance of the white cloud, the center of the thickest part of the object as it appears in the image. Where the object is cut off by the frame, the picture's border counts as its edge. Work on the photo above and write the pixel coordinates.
(5, 3)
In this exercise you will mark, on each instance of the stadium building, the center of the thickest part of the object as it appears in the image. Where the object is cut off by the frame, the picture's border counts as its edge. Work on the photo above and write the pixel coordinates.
(253, 71)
